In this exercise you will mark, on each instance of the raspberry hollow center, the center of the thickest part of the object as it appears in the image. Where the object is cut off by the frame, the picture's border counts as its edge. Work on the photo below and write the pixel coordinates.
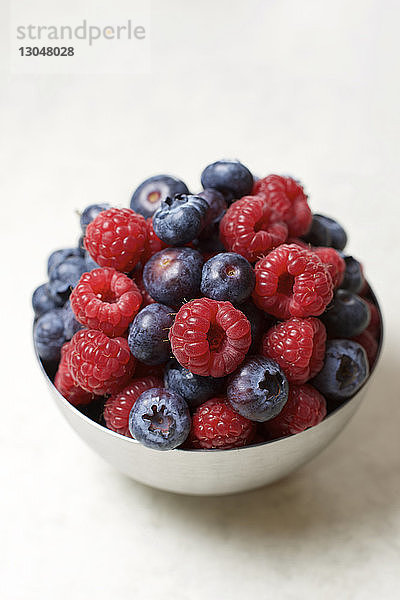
(215, 337)
(262, 224)
(107, 296)
(285, 284)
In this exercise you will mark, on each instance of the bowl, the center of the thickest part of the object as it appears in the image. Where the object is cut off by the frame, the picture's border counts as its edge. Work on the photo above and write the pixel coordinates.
(210, 472)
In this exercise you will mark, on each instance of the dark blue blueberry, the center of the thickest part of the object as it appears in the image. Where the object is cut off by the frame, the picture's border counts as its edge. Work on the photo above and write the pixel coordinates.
(64, 277)
(216, 205)
(346, 316)
(59, 256)
(180, 219)
(173, 275)
(148, 334)
(353, 279)
(345, 370)
(230, 177)
(195, 389)
(258, 390)
(325, 231)
(81, 245)
(148, 196)
(227, 276)
(209, 242)
(160, 419)
(90, 213)
(49, 334)
(71, 325)
(43, 301)
(258, 323)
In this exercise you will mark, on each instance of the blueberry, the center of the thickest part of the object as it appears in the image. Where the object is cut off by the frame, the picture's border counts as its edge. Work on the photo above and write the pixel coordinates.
(258, 323)
(49, 334)
(43, 301)
(90, 213)
(216, 205)
(346, 316)
(81, 245)
(209, 242)
(64, 276)
(258, 390)
(227, 276)
(71, 325)
(160, 419)
(173, 275)
(90, 264)
(148, 196)
(59, 256)
(180, 219)
(230, 177)
(148, 334)
(345, 370)
(353, 279)
(325, 231)
(195, 389)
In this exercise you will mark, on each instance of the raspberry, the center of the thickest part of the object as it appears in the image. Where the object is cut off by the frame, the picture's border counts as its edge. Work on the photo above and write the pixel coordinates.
(100, 364)
(286, 196)
(66, 385)
(305, 408)
(118, 406)
(370, 345)
(298, 346)
(116, 238)
(210, 337)
(251, 228)
(106, 300)
(374, 326)
(153, 243)
(333, 262)
(292, 282)
(216, 425)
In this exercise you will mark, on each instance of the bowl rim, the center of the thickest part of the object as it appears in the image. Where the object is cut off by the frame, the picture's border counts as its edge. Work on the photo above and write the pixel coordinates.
(126, 439)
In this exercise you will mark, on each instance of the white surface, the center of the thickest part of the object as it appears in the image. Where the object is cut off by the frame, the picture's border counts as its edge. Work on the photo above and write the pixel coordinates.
(309, 88)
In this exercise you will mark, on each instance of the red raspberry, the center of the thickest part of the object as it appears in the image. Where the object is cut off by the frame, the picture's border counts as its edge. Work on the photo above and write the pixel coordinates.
(67, 386)
(305, 408)
(333, 262)
(299, 242)
(100, 364)
(286, 196)
(251, 228)
(292, 281)
(216, 425)
(370, 345)
(374, 325)
(118, 406)
(106, 300)
(116, 238)
(298, 346)
(153, 243)
(210, 337)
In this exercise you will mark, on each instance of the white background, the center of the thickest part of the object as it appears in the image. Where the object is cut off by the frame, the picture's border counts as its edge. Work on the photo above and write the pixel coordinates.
(305, 87)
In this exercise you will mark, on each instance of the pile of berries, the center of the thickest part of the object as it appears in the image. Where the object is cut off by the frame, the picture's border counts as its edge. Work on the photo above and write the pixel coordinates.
(212, 320)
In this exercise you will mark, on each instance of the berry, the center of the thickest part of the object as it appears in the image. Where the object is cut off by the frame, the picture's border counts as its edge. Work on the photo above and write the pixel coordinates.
(116, 238)
(305, 408)
(291, 281)
(173, 275)
(374, 325)
(257, 320)
(346, 316)
(137, 276)
(370, 345)
(325, 231)
(298, 346)
(251, 228)
(258, 390)
(43, 301)
(66, 385)
(49, 334)
(333, 262)
(210, 337)
(216, 206)
(227, 276)
(146, 199)
(160, 419)
(230, 177)
(195, 389)
(90, 263)
(118, 406)
(148, 334)
(216, 425)
(59, 256)
(286, 197)
(100, 364)
(143, 370)
(153, 243)
(90, 213)
(345, 370)
(64, 277)
(107, 300)
(180, 219)
(353, 278)
(71, 325)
